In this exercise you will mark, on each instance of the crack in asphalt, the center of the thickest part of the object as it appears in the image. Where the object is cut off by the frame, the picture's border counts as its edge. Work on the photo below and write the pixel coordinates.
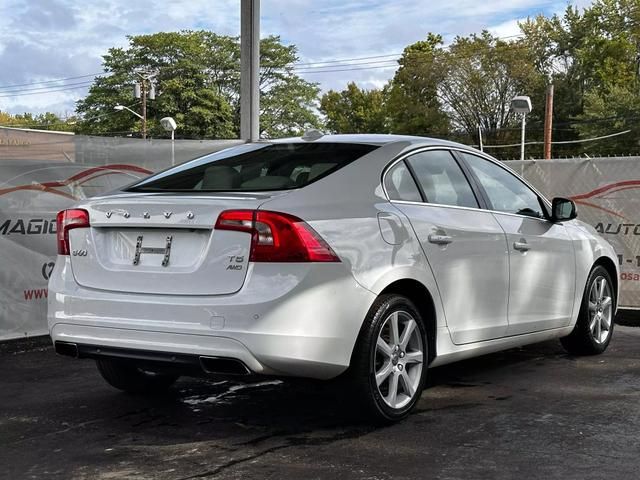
(293, 441)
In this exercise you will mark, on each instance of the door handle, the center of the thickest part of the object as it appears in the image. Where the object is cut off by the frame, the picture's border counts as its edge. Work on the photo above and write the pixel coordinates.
(440, 239)
(521, 246)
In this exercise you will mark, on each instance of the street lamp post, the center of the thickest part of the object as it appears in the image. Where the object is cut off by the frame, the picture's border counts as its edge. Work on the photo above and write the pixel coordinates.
(169, 124)
(522, 105)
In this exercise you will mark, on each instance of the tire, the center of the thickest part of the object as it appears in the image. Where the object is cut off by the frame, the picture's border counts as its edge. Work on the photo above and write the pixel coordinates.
(398, 361)
(125, 375)
(594, 327)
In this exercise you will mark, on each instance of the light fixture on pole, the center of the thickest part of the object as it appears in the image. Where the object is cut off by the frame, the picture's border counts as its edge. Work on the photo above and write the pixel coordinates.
(122, 107)
(169, 124)
(522, 105)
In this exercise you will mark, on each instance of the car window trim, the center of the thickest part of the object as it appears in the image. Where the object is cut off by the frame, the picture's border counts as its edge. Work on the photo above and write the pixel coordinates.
(403, 157)
(414, 176)
(479, 200)
(481, 194)
(482, 208)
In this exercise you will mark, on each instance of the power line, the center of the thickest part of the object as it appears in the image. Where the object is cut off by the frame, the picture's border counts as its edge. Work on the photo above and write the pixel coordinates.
(296, 65)
(347, 59)
(50, 88)
(9, 87)
(564, 142)
(62, 89)
(446, 47)
(349, 69)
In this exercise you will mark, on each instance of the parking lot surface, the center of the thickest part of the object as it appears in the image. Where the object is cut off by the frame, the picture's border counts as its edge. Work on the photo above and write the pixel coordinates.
(528, 413)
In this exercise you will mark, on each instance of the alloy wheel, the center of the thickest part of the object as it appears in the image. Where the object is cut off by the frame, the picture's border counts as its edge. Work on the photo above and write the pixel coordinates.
(600, 310)
(398, 359)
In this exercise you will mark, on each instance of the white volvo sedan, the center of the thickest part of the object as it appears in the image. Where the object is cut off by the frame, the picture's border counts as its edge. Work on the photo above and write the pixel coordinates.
(371, 257)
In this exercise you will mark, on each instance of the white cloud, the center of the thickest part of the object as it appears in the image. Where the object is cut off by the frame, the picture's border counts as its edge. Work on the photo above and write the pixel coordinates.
(507, 29)
(47, 39)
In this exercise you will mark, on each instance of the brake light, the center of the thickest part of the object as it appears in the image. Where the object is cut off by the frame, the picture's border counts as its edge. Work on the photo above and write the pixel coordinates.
(67, 220)
(277, 237)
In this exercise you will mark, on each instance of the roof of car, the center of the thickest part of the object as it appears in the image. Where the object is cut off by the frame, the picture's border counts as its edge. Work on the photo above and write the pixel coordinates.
(372, 139)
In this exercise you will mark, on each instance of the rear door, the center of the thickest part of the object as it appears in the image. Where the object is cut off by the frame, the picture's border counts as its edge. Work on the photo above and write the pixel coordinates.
(542, 260)
(465, 246)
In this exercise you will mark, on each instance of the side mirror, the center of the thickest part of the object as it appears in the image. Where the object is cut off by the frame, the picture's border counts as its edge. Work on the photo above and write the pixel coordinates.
(563, 209)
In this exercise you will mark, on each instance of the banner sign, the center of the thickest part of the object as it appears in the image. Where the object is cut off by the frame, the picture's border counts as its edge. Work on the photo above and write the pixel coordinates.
(606, 191)
(607, 195)
(29, 200)
(32, 192)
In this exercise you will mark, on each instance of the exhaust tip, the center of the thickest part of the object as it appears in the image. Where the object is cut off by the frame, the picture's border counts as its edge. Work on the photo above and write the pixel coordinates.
(223, 366)
(67, 349)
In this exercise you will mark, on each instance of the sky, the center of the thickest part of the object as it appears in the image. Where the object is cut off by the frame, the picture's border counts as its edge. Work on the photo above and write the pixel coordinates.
(47, 40)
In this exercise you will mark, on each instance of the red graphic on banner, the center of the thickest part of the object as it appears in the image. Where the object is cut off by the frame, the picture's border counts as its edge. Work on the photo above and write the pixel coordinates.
(600, 192)
(77, 179)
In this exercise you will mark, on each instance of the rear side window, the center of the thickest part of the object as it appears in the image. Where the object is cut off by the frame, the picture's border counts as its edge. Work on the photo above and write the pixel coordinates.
(400, 185)
(256, 167)
(441, 179)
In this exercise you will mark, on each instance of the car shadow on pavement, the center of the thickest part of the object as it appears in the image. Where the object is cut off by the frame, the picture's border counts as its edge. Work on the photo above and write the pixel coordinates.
(293, 406)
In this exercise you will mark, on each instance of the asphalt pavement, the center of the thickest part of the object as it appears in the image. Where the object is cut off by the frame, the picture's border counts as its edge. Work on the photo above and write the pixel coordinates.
(529, 413)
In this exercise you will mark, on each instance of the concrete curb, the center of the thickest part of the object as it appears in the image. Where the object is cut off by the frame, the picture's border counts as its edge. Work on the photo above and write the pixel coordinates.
(629, 318)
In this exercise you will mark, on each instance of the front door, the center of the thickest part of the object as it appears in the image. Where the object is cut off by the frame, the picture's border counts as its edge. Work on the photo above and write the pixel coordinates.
(542, 260)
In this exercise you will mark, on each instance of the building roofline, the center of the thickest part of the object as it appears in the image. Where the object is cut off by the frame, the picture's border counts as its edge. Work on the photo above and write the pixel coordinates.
(53, 132)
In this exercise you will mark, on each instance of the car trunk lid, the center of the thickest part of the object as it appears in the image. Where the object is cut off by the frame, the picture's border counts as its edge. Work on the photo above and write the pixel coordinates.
(162, 245)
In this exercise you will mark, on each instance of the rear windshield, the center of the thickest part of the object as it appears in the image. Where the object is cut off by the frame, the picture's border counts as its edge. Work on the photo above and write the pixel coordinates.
(256, 168)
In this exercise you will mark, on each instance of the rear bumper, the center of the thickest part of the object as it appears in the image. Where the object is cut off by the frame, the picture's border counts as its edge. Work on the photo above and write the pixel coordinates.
(182, 363)
(304, 322)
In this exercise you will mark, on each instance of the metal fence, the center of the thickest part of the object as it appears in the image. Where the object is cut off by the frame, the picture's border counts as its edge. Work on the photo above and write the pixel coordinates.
(607, 191)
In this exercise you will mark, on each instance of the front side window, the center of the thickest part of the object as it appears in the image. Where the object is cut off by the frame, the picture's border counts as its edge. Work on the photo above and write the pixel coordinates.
(256, 167)
(506, 192)
(441, 179)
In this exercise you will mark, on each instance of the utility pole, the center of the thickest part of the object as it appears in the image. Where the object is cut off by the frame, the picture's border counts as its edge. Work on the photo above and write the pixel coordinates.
(548, 123)
(250, 70)
(141, 91)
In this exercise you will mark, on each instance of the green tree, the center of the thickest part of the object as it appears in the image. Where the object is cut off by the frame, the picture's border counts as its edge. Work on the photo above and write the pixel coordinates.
(41, 121)
(591, 56)
(354, 110)
(198, 83)
(481, 75)
(287, 102)
(413, 106)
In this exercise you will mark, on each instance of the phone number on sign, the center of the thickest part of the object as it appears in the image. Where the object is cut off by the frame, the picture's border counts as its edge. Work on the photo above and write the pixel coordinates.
(632, 261)
(635, 261)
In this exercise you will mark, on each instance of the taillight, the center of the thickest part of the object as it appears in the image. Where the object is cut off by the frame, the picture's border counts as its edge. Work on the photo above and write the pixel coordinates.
(277, 237)
(67, 220)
